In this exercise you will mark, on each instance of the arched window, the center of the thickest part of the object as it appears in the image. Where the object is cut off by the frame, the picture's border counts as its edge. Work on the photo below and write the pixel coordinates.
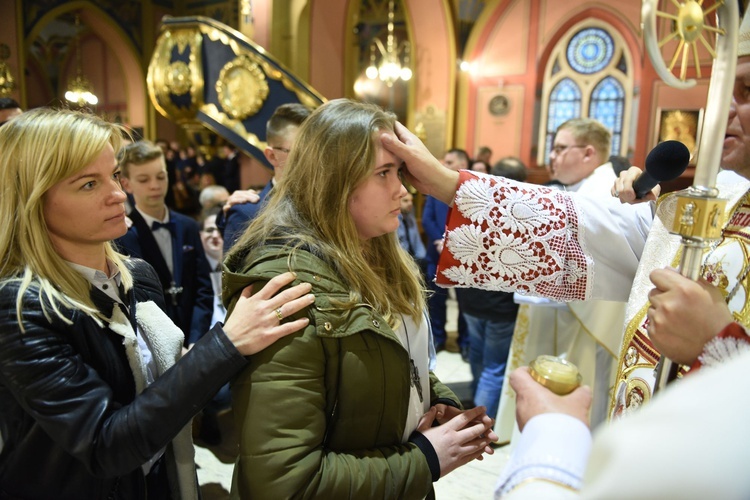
(564, 104)
(588, 74)
(607, 102)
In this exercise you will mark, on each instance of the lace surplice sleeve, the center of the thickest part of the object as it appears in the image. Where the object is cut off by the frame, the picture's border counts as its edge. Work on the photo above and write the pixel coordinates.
(511, 236)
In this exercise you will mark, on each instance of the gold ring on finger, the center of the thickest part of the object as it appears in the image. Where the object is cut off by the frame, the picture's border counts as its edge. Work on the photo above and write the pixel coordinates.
(278, 314)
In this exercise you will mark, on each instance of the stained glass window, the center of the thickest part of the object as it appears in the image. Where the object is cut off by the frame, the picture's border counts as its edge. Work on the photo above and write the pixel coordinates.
(590, 51)
(588, 75)
(564, 104)
(607, 102)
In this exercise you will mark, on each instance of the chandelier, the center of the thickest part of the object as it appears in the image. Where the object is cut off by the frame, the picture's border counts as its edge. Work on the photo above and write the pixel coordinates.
(80, 90)
(391, 68)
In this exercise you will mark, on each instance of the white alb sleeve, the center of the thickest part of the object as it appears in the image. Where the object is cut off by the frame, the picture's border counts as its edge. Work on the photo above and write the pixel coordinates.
(553, 447)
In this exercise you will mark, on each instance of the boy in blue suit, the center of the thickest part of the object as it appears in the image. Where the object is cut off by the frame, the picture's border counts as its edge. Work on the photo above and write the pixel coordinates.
(169, 241)
(434, 214)
(281, 130)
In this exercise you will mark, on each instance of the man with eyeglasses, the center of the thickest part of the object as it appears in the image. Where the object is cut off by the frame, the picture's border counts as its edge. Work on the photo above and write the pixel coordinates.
(281, 130)
(580, 330)
(579, 155)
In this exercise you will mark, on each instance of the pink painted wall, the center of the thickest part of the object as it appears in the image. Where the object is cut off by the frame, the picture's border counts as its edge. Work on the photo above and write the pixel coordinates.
(262, 24)
(434, 58)
(553, 14)
(327, 38)
(502, 65)
(504, 52)
(253, 174)
(511, 44)
(132, 74)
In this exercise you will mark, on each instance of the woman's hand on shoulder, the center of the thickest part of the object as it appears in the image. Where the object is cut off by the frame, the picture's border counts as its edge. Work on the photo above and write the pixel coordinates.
(257, 320)
(239, 197)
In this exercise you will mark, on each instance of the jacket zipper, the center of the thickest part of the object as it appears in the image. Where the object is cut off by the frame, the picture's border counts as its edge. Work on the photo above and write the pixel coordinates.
(329, 425)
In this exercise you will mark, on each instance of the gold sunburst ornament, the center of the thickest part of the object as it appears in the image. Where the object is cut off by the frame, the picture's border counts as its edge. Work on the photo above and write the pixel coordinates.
(689, 27)
(178, 79)
(242, 88)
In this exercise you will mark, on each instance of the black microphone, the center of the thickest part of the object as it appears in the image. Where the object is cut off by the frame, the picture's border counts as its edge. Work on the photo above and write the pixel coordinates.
(665, 162)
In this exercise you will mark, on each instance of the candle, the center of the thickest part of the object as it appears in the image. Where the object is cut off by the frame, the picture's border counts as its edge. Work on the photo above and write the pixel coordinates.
(556, 374)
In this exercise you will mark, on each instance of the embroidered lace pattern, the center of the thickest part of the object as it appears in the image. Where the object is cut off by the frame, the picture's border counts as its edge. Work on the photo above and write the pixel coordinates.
(516, 237)
(721, 349)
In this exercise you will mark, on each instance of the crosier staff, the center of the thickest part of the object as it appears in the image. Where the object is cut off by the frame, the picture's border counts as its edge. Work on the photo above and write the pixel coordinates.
(698, 216)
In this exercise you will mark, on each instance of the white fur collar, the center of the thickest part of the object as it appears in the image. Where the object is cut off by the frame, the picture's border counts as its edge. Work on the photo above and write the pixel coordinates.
(165, 341)
(161, 334)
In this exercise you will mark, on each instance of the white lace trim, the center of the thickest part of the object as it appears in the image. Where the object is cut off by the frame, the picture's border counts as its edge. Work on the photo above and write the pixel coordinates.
(521, 238)
(719, 350)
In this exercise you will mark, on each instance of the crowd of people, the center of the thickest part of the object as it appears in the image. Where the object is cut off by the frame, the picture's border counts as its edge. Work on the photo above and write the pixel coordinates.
(316, 307)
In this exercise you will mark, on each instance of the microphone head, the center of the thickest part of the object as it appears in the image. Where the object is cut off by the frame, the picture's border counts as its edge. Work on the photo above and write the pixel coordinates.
(667, 160)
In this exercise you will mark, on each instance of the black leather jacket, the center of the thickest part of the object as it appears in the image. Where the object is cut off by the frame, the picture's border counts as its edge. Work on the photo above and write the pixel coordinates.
(70, 419)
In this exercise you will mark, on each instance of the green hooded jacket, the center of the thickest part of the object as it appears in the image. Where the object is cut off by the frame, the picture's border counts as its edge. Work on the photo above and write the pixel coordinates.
(322, 411)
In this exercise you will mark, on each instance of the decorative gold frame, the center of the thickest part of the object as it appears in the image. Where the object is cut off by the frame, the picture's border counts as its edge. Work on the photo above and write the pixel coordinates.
(176, 85)
(499, 105)
(682, 125)
(242, 87)
(165, 77)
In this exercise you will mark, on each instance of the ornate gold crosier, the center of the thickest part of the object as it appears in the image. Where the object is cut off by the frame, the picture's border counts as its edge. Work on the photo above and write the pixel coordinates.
(715, 28)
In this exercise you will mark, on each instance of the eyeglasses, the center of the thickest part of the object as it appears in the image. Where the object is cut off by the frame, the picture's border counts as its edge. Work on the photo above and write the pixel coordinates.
(283, 150)
(560, 149)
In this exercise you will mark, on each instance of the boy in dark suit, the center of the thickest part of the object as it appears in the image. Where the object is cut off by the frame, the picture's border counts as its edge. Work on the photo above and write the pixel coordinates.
(281, 130)
(169, 241)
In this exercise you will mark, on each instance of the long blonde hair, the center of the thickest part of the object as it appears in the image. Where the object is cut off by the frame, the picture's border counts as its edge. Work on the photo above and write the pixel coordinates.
(38, 149)
(333, 153)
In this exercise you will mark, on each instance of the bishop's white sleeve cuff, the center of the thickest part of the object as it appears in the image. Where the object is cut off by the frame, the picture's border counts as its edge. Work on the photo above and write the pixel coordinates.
(553, 447)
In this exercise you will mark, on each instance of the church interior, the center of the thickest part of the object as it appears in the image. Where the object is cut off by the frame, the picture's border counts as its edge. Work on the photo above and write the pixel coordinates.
(498, 73)
(468, 74)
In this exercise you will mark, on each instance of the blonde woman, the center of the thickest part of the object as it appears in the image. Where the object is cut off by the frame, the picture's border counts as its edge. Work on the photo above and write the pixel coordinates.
(345, 408)
(95, 401)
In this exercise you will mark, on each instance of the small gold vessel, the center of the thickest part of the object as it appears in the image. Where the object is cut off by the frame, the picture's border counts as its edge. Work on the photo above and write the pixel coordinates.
(556, 374)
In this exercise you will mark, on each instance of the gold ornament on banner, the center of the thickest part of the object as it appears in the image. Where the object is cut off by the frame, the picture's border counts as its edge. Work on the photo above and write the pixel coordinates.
(242, 88)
